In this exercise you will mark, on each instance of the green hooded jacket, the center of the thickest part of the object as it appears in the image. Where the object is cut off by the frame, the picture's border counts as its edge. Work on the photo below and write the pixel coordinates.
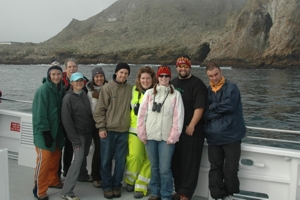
(46, 115)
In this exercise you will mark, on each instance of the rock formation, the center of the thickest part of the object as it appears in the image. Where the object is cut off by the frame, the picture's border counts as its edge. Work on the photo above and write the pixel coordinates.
(238, 33)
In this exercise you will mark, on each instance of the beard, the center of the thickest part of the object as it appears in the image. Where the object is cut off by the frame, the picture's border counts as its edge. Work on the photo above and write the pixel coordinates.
(184, 76)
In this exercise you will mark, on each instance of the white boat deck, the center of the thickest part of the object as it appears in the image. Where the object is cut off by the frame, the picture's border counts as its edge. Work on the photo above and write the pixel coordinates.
(21, 185)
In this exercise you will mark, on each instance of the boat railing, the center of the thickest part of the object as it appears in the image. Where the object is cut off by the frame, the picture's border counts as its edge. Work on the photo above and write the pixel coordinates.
(273, 130)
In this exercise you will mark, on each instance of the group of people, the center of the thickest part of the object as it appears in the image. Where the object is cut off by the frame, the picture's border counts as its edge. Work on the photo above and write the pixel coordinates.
(153, 131)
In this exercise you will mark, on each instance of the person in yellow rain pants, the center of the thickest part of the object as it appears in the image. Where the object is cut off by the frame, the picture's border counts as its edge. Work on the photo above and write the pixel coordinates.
(138, 171)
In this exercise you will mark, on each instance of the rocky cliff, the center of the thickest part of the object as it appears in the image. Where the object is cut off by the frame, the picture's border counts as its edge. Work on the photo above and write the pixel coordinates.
(239, 33)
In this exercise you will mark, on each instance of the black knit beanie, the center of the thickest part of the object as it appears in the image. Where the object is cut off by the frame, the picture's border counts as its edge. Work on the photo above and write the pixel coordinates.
(122, 65)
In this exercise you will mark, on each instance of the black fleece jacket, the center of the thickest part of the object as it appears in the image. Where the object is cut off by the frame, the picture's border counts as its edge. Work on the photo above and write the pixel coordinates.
(77, 116)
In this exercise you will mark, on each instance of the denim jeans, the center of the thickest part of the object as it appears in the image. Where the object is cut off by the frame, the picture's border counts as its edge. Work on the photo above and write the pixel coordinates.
(113, 146)
(160, 155)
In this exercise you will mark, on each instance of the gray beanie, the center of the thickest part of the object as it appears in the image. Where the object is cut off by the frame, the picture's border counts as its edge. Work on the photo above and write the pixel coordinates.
(97, 70)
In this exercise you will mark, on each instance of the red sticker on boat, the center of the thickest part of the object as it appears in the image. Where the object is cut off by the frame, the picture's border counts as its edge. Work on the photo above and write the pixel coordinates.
(14, 126)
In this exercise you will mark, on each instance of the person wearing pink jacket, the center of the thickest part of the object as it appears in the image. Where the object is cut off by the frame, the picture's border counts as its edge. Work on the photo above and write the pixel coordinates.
(160, 122)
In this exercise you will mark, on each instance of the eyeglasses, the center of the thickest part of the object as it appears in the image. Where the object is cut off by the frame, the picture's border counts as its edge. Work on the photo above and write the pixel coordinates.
(183, 66)
(166, 76)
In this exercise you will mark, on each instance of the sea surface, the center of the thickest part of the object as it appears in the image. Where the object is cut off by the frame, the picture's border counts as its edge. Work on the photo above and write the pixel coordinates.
(271, 97)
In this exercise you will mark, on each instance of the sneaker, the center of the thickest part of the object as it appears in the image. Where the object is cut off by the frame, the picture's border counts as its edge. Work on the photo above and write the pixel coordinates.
(108, 194)
(43, 197)
(116, 192)
(69, 197)
(175, 196)
(129, 188)
(97, 184)
(154, 198)
(138, 195)
(183, 197)
(58, 186)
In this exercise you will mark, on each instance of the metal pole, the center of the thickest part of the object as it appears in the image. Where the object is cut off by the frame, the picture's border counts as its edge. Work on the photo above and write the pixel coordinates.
(4, 181)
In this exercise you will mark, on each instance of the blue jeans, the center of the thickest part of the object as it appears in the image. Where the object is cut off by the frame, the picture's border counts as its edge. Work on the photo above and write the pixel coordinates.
(160, 155)
(113, 146)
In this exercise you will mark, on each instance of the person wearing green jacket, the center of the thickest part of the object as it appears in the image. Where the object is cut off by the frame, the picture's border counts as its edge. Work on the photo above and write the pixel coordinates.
(138, 170)
(48, 132)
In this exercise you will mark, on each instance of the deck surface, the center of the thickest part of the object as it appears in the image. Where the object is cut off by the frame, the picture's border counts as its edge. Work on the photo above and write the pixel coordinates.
(21, 184)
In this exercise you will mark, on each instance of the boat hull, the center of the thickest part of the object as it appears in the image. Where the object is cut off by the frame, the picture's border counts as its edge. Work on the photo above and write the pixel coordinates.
(267, 172)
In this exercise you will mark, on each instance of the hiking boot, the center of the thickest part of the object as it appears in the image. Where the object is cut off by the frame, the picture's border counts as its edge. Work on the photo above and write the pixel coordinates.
(175, 196)
(43, 197)
(183, 197)
(97, 184)
(58, 186)
(129, 188)
(116, 192)
(154, 198)
(108, 194)
(138, 195)
(69, 197)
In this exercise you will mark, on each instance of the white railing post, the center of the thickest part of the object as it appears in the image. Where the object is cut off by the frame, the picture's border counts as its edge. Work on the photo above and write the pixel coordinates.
(4, 182)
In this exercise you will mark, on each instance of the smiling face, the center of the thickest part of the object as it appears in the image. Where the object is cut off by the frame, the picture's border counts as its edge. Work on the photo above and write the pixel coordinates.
(55, 76)
(77, 85)
(71, 68)
(99, 79)
(164, 79)
(146, 80)
(183, 70)
(122, 75)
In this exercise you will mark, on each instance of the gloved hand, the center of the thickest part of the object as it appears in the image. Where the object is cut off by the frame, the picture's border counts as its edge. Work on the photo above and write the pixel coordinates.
(48, 138)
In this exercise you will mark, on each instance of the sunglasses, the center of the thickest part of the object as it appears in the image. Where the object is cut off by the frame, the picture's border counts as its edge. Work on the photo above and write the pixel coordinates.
(161, 76)
(183, 66)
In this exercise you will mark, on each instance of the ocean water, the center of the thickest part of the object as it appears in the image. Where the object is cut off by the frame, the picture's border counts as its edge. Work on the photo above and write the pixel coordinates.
(271, 97)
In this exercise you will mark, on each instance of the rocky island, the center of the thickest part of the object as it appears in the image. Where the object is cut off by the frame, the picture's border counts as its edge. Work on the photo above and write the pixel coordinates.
(237, 33)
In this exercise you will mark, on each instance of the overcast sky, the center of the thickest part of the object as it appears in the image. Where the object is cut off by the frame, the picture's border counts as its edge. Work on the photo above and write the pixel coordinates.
(39, 20)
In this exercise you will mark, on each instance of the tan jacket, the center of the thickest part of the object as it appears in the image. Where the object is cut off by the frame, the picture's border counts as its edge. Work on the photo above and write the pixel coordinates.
(112, 112)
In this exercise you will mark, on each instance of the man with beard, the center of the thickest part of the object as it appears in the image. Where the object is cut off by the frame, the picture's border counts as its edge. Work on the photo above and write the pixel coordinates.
(188, 151)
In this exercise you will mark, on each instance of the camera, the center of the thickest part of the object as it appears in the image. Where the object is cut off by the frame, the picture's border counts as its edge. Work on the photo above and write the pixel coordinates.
(156, 107)
(136, 108)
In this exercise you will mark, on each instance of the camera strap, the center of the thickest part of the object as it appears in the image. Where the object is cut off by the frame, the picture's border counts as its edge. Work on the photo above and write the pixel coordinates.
(139, 97)
(164, 99)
